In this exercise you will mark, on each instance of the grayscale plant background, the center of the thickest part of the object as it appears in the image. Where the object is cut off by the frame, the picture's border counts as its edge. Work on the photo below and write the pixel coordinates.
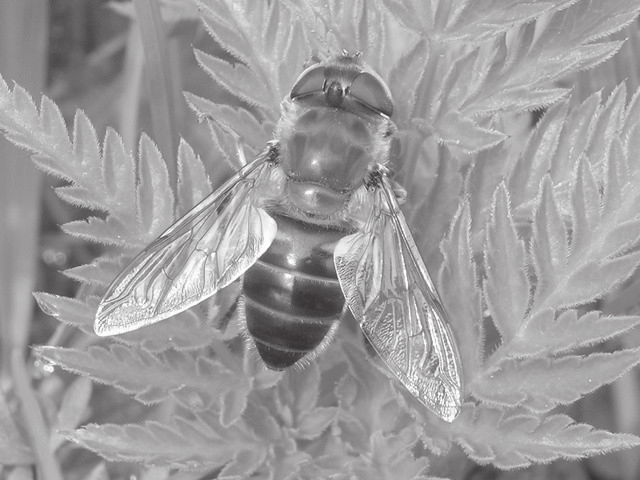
(519, 144)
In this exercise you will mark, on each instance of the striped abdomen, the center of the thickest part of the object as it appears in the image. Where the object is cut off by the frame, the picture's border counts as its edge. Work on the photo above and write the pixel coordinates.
(292, 295)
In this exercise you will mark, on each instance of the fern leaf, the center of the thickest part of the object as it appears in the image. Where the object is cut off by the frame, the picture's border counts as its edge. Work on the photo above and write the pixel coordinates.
(270, 27)
(100, 272)
(20, 119)
(237, 80)
(241, 31)
(39, 132)
(296, 54)
(154, 195)
(186, 331)
(594, 279)
(300, 389)
(229, 143)
(433, 223)
(78, 196)
(485, 175)
(586, 205)
(549, 247)
(507, 286)
(509, 89)
(475, 21)
(470, 22)
(284, 460)
(74, 408)
(544, 335)
(407, 80)
(263, 424)
(463, 133)
(243, 464)
(449, 124)
(222, 25)
(457, 279)
(285, 464)
(413, 16)
(353, 430)
(298, 396)
(233, 404)
(391, 458)
(336, 467)
(193, 183)
(310, 425)
(616, 170)
(198, 443)
(101, 177)
(357, 26)
(263, 378)
(194, 382)
(609, 123)
(632, 110)
(106, 232)
(596, 20)
(517, 439)
(85, 146)
(602, 258)
(436, 99)
(557, 145)
(367, 402)
(118, 170)
(559, 49)
(68, 310)
(535, 160)
(254, 134)
(14, 448)
(541, 384)
(562, 43)
(53, 121)
(577, 134)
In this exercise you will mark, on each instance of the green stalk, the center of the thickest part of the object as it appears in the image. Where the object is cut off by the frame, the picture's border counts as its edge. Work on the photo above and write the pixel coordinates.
(129, 100)
(33, 420)
(23, 46)
(160, 80)
(23, 54)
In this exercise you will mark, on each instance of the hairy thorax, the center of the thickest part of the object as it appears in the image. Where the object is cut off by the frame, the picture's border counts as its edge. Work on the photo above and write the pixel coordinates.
(325, 152)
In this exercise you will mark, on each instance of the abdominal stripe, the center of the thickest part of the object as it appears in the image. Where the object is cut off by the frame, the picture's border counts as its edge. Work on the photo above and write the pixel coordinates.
(292, 294)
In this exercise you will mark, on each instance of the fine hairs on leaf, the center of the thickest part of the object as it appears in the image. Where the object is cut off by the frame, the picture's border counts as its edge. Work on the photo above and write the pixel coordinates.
(522, 234)
(150, 377)
(517, 438)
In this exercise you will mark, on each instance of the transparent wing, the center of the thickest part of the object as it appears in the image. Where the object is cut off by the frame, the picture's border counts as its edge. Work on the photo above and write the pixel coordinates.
(390, 293)
(208, 248)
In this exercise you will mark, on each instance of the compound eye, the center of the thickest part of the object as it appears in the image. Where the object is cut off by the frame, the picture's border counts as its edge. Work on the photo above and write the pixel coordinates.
(309, 81)
(371, 90)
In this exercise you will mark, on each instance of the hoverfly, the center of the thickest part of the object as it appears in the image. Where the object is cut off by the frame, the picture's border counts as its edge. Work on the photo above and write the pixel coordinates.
(314, 225)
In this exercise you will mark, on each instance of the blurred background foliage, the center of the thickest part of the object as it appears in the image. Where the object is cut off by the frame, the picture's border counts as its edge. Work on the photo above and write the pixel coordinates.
(89, 54)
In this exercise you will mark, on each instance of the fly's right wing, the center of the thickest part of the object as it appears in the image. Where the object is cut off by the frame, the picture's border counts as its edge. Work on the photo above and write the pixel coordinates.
(390, 293)
(207, 249)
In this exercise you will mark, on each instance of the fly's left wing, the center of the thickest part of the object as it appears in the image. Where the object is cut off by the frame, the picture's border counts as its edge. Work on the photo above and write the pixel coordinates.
(207, 249)
(390, 293)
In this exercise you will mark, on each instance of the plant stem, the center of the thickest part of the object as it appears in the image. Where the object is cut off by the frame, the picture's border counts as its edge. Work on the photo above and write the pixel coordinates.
(23, 45)
(160, 80)
(32, 418)
(129, 100)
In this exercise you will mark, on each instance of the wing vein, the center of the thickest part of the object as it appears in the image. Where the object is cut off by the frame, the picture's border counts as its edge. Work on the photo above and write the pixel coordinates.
(390, 293)
(205, 250)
